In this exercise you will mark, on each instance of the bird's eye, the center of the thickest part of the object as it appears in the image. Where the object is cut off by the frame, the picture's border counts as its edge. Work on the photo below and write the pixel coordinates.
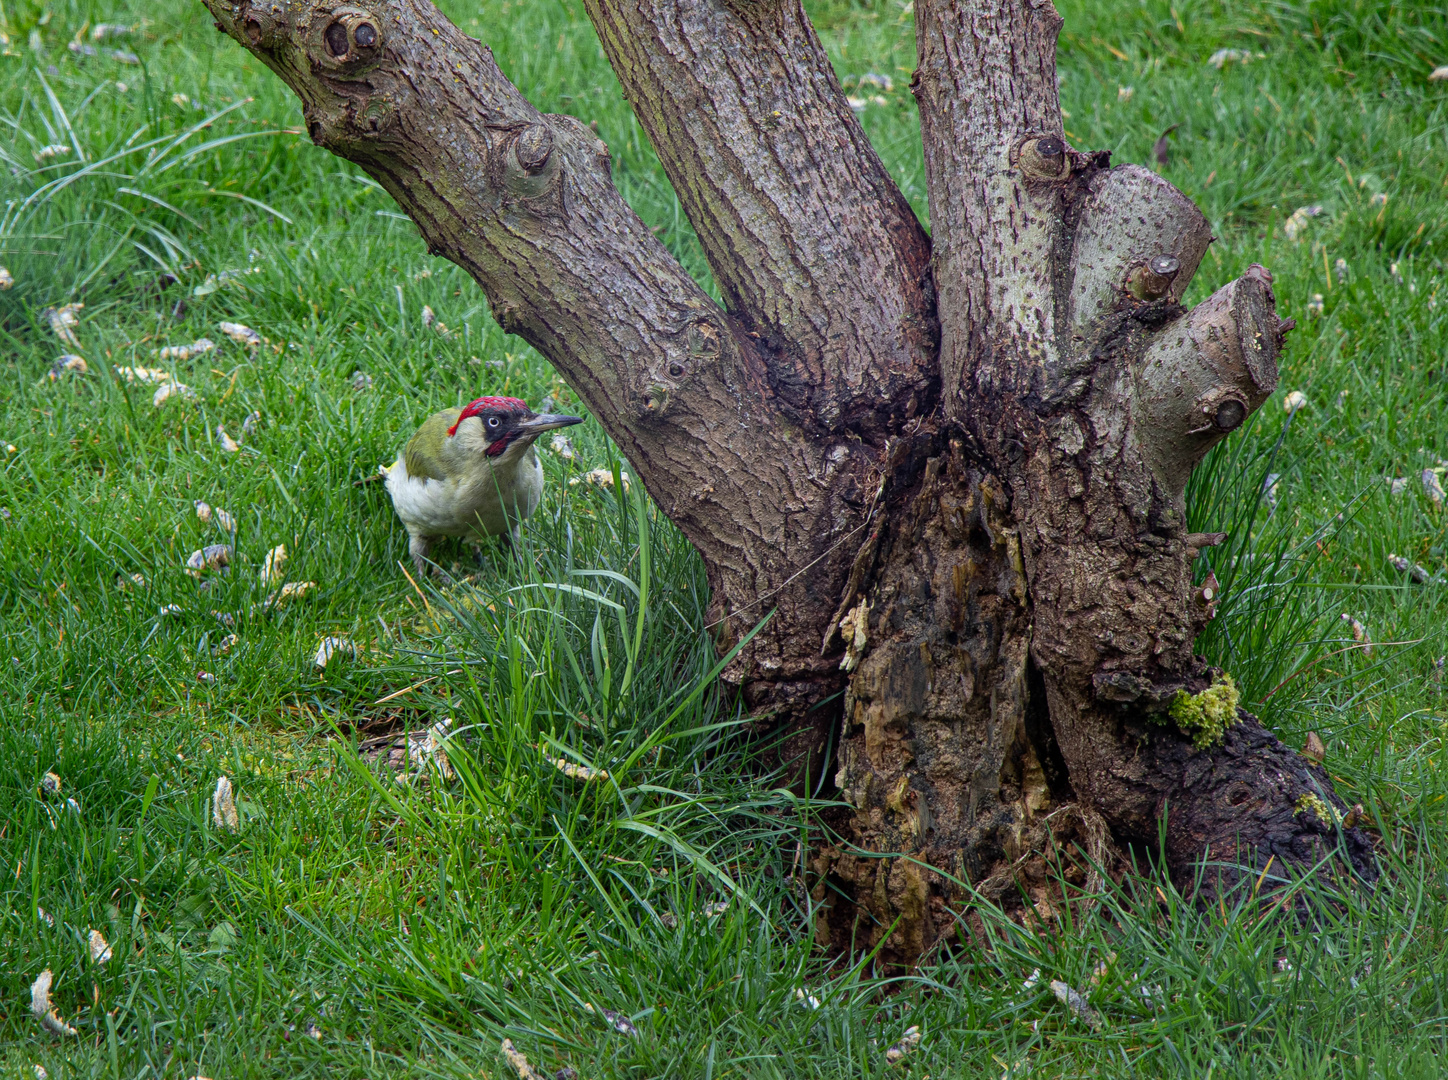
(492, 421)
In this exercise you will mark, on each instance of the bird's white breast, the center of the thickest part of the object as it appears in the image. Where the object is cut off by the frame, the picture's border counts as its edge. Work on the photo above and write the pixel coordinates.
(485, 503)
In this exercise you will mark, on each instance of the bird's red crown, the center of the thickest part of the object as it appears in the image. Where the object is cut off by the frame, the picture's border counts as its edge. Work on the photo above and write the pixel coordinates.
(483, 404)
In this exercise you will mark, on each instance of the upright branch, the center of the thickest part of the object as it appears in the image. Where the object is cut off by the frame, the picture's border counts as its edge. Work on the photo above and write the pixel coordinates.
(812, 243)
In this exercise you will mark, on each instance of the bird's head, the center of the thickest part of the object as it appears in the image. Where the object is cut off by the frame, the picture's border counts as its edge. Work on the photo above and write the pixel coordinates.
(505, 422)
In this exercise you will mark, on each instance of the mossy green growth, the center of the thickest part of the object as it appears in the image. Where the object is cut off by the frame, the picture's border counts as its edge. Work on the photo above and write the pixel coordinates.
(1312, 804)
(1207, 716)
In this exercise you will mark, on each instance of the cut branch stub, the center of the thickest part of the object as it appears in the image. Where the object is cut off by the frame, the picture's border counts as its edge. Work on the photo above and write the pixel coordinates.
(1133, 226)
(1044, 158)
(1205, 373)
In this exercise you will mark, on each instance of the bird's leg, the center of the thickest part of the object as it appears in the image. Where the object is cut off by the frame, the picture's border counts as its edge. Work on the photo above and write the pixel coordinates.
(514, 536)
(418, 547)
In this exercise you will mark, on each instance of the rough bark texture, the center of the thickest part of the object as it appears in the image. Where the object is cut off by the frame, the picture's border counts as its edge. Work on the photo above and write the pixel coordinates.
(952, 466)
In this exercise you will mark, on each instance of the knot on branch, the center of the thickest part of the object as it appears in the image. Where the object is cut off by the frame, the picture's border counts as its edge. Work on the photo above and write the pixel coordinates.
(351, 37)
(700, 346)
(529, 163)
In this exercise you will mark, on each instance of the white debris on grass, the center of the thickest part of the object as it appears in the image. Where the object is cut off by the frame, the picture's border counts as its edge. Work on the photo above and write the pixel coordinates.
(46, 917)
(67, 363)
(249, 425)
(41, 1007)
(1432, 486)
(211, 557)
(292, 590)
(1222, 57)
(143, 374)
(1396, 484)
(1125, 93)
(63, 321)
(601, 478)
(167, 390)
(717, 908)
(225, 645)
(333, 647)
(100, 949)
(1269, 489)
(577, 772)
(206, 514)
(241, 334)
(1031, 980)
(50, 784)
(1359, 634)
(1296, 223)
(227, 443)
(101, 31)
(519, 1063)
(273, 566)
(7, 280)
(1077, 1003)
(204, 676)
(908, 1043)
(1438, 74)
(199, 347)
(1294, 402)
(1315, 305)
(1381, 199)
(45, 153)
(618, 1021)
(223, 806)
(361, 381)
(876, 81)
(806, 1000)
(169, 609)
(1414, 570)
(562, 445)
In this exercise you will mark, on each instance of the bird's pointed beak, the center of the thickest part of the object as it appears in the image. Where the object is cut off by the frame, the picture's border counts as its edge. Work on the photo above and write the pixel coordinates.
(536, 425)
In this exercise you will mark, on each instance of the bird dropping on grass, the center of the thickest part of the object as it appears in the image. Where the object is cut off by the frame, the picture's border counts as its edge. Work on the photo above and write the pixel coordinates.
(228, 444)
(41, 1007)
(223, 807)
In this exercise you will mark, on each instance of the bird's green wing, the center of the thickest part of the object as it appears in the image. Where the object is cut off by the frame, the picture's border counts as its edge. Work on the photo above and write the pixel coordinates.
(423, 456)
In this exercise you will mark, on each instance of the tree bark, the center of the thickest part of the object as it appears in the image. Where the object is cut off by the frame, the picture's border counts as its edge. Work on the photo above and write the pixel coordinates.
(952, 467)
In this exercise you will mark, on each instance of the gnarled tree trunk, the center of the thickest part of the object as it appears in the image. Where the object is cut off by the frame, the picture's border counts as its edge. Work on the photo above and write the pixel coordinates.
(952, 465)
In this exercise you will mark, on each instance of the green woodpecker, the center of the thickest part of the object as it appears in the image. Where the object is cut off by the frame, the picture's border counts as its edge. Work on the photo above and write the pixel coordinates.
(470, 472)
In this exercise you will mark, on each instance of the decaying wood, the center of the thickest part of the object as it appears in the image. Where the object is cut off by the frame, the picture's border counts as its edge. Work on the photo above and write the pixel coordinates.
(953, 467)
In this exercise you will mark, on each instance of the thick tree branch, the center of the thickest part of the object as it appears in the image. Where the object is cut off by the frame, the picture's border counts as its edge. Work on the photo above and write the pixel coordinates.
(994, 158)
(810, 240)
(524, 202)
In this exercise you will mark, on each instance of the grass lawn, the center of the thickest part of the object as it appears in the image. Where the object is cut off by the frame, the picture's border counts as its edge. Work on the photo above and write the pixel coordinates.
(355, 926)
